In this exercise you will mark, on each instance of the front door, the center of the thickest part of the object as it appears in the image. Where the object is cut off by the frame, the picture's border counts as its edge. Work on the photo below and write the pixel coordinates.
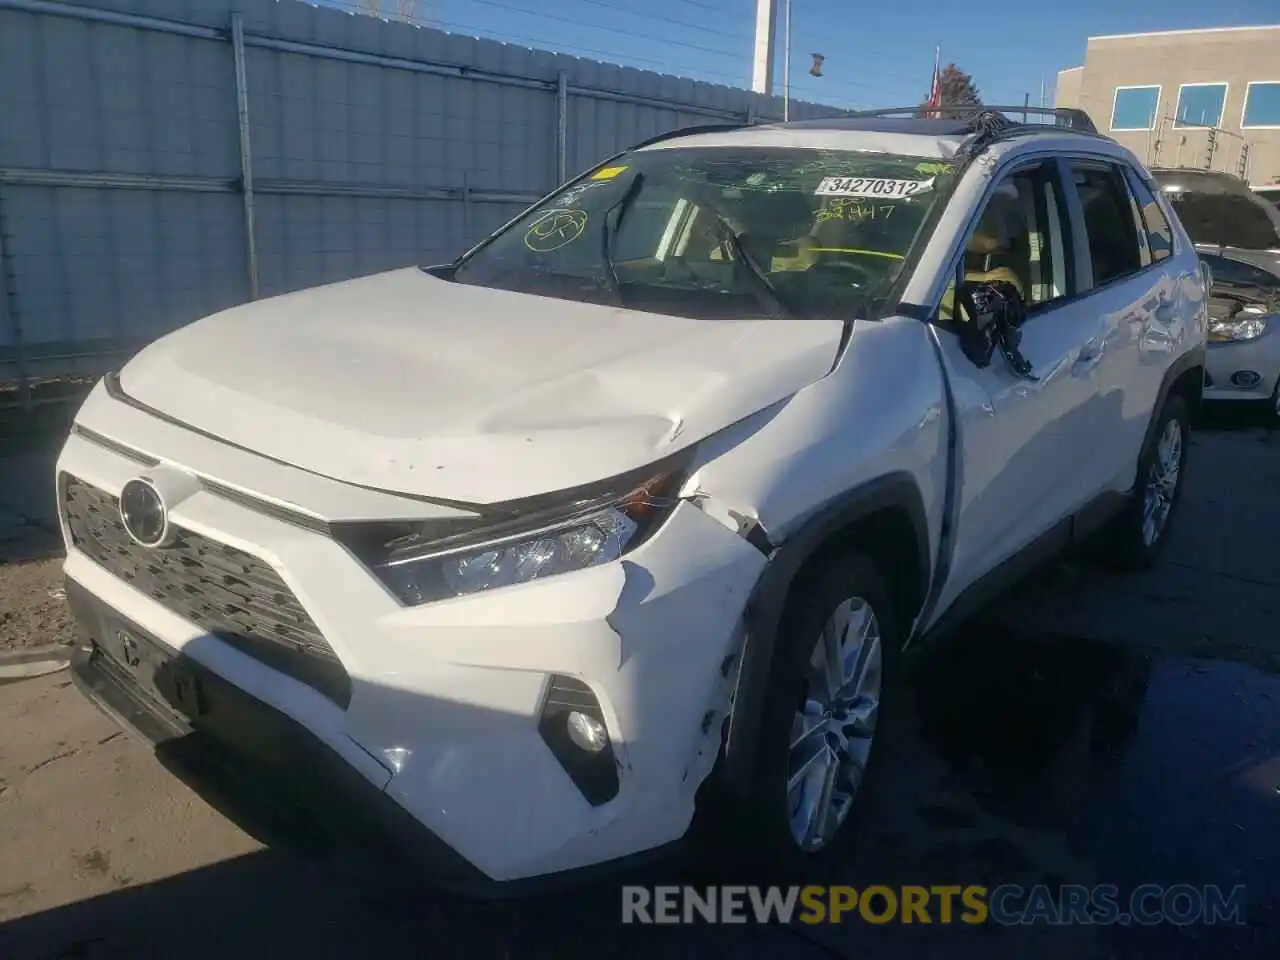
(1022, 442)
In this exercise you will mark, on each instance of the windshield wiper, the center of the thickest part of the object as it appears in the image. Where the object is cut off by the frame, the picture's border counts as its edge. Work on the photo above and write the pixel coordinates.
(616, 213)
(767, 293)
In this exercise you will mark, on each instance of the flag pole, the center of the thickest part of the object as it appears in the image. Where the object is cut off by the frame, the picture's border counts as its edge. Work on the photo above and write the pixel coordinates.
(934, 89)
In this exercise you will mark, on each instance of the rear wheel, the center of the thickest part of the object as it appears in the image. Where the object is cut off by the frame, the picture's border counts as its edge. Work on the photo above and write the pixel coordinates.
(1138, 533)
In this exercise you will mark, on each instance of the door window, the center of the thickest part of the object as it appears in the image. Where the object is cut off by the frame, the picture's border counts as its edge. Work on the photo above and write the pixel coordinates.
(1019, 239)
(1109, 224)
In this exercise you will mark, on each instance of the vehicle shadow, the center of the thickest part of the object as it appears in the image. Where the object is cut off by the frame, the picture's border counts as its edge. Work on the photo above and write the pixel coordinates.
(1021, 759)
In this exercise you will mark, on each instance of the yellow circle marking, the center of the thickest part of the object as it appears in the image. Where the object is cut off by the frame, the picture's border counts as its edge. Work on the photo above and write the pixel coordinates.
(554, 229)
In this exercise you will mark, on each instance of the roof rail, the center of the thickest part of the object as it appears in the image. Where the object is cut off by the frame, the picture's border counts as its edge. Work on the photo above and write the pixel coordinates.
(1069, 118)
(686, 132)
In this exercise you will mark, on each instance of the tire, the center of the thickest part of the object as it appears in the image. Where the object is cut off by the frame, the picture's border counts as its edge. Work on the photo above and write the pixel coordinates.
(1129, 544)
(760, 840)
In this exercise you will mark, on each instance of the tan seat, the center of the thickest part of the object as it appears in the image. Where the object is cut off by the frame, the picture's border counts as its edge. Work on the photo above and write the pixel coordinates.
(989, 239)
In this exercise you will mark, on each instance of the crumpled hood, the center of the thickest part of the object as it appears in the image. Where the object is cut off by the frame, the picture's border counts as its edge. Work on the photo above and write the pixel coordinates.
(409, 383)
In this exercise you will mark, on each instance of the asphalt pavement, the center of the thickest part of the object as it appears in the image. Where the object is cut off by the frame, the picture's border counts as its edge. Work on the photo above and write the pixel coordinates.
(1091, 729)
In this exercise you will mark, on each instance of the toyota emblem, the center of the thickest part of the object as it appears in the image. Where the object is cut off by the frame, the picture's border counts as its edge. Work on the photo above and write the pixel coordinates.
(143, 514)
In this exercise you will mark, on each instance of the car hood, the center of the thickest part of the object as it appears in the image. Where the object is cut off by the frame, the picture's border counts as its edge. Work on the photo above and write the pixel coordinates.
(406, 382)
(1268, 260)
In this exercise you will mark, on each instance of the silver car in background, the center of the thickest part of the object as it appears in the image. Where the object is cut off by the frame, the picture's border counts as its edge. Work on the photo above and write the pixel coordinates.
(1236, 230)
(1243, 359)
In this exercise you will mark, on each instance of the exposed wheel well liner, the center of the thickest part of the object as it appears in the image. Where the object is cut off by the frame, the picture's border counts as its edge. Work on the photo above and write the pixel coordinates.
(884, 518)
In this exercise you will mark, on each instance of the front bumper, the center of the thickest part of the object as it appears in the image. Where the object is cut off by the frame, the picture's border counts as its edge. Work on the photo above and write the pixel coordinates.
(446, 699)
(264, 770)
(1260, 356)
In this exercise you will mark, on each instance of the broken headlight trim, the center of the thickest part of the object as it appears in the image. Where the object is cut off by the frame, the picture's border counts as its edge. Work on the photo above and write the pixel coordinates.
(578, 533)
(1237, 329)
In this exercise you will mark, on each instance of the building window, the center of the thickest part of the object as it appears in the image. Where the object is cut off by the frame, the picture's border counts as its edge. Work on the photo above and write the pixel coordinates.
(1135, 108)
(1262, 104)
(1200, 104)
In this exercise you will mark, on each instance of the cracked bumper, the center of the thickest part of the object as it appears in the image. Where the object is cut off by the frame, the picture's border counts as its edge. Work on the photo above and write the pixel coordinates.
(446, 698)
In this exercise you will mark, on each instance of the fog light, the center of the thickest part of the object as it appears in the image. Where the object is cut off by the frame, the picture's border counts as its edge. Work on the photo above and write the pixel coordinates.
(573, 728)
(587, 732)
(1245, 378)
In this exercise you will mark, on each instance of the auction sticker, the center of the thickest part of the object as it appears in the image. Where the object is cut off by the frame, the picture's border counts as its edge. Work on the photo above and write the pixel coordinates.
(883, 187)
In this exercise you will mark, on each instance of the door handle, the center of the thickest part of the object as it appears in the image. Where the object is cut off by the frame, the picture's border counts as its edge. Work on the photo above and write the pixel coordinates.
(1088, 357)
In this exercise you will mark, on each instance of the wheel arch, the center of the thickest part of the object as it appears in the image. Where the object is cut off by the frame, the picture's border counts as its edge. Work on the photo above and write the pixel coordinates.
(1184, 378)
(885, 518)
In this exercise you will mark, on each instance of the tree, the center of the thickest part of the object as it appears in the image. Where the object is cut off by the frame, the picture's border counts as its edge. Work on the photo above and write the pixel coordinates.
(956, 88)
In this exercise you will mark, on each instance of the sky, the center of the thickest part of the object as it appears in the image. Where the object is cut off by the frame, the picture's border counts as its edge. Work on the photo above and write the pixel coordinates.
(877, 53)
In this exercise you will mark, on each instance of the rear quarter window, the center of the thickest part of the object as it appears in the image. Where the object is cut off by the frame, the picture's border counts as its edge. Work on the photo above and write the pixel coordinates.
(1156, 225)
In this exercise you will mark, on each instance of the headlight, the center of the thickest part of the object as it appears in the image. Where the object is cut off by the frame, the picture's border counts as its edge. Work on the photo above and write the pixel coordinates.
(576, 532)
(1235, 330)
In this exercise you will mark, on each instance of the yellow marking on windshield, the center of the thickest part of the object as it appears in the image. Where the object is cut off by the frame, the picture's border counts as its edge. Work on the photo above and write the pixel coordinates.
(865, 253)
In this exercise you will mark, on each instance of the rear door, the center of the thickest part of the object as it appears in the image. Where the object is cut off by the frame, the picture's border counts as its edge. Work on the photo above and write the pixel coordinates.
(1134, 292)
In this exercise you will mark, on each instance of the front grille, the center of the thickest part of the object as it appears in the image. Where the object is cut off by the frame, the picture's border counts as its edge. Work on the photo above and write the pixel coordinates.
(229, 593)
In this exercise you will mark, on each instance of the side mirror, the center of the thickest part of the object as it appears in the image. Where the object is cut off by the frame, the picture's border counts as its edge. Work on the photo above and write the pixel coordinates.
(993, 313)
(986, 301)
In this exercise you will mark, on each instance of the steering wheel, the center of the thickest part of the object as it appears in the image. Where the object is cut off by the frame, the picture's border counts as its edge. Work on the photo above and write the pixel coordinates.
(832, 261)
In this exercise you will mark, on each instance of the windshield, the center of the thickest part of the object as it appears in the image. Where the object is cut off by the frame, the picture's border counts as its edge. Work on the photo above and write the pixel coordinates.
(1220, 215)
(721, 232)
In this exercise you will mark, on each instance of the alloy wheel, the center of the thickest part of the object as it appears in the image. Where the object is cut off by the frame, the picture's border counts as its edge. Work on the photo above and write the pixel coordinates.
(833, 728)
(1162, 482)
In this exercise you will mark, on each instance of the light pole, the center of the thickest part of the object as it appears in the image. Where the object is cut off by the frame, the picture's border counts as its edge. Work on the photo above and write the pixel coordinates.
(762, 62)
(786, 65)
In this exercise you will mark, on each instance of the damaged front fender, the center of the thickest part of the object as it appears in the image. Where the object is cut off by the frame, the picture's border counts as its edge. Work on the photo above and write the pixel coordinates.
(680, 620)
(763, 617)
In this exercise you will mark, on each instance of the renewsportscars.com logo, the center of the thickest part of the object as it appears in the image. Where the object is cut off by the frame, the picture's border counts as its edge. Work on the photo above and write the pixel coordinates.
(1006, 905)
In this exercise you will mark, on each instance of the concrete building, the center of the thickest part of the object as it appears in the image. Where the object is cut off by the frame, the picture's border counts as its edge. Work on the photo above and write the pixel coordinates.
(1192, 98)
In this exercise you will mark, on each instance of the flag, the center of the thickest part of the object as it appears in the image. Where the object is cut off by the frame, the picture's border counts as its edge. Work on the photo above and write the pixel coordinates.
(935, 87)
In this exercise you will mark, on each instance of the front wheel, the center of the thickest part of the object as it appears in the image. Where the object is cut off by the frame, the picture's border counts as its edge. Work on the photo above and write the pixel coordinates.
(1138, 533)
(823, 722)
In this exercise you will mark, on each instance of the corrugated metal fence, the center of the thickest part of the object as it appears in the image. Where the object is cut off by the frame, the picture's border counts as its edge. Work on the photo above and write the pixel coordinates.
(164, 159)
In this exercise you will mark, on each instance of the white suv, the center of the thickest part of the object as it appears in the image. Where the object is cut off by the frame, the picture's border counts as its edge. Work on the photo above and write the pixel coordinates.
(647, 492)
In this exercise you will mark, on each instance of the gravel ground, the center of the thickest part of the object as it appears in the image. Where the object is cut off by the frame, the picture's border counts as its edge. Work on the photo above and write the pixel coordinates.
(33, 612)
(33, 608)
